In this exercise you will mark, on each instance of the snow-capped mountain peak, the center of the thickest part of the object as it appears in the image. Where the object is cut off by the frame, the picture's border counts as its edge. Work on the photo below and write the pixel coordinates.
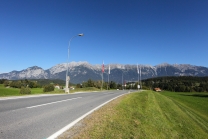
(82, 71)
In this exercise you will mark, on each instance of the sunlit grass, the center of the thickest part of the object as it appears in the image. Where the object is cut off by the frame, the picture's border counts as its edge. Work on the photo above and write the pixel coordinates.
(8, 91)
(4, 91)
(87, 89)
(150, 115)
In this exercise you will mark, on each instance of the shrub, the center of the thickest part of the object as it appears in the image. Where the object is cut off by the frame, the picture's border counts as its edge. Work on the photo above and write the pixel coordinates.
(25, 90)
(6, 83)
(48, 88)
(2, 81)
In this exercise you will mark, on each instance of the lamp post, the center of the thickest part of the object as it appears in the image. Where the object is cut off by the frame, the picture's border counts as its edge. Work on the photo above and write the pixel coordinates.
(138, 86)
(122, 80)
(67, 70)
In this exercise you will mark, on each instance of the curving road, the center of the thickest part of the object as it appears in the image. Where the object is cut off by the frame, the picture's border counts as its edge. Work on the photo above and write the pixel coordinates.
(39, 117)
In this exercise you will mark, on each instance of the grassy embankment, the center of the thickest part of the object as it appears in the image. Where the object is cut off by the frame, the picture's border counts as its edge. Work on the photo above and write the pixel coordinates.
(148, 115)
(16, 92)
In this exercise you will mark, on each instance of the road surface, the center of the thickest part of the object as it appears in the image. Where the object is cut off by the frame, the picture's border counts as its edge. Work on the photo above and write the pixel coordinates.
(41, 116)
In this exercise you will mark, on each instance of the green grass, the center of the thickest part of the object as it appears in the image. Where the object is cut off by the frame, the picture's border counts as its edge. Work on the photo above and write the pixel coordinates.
(8, 91)
(84, 89)
(196, 101)
(5, 92)
(40, 91)
(153, 115)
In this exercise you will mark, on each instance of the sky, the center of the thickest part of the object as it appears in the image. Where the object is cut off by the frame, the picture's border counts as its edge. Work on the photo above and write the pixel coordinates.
(147, 32)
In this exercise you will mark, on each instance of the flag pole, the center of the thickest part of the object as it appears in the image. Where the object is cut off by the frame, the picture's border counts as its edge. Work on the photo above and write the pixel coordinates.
(102, 82)
(102, 75)
(108, 76)
(108, 82)
(138, 76)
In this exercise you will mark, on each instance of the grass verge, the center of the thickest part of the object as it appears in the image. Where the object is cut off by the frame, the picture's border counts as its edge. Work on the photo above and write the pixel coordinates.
(87, 89)
(5, 92)
(146, 115)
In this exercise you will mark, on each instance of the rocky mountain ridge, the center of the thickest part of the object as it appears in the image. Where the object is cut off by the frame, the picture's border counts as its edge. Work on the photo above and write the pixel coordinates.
(82, 71)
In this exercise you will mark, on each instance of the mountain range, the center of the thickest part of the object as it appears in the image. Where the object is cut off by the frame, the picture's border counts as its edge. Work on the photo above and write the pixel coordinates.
(83, 71)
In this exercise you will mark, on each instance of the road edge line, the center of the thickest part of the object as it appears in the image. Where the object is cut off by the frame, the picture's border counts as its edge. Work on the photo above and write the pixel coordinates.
(55, 135)
(28, 96)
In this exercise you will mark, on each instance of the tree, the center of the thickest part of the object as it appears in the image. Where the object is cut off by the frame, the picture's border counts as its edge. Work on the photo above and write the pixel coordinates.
(6, 83)
(182, 88)
(187, 89)
(16, 84)
(33, 84)
(98, 84)
(136, 85)
(78, 86)
(119, 86)
(112, 85)
(90, 83)
(2, 81)
(48, 88)
(25, 90)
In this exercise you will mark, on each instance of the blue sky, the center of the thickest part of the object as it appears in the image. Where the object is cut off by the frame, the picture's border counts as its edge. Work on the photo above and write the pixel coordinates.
(37, 32)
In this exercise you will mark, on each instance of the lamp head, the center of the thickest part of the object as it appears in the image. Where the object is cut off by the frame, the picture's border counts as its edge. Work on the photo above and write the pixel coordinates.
(81, 34)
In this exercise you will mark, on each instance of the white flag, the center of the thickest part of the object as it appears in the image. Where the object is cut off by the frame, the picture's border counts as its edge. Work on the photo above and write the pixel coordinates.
(137, 69)
(103, 67)
(109, 70)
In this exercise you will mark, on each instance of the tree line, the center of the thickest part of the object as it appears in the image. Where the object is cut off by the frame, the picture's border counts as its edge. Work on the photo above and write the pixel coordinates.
(178, 83)
(20, 83)
(170, 83)
(32, 83)
(98, 84)
(25, 85)
(105, 85)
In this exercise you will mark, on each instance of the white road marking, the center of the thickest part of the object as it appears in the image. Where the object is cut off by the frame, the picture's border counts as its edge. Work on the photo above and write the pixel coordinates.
(28, 96)
(55, 135)
(52, 103)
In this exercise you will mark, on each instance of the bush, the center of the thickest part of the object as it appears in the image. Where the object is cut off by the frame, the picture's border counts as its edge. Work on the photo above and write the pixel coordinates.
(2, 81)
(6, 83)
(48, 88)
(25, 90)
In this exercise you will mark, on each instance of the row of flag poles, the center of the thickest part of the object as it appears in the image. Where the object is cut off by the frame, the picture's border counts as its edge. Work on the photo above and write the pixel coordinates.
(138, 71)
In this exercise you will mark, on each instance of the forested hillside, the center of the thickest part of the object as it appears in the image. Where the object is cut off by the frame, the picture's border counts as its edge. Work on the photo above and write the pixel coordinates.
(178, 84)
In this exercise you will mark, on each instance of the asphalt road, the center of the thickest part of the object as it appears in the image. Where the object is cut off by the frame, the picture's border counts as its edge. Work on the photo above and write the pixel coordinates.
(41, 116)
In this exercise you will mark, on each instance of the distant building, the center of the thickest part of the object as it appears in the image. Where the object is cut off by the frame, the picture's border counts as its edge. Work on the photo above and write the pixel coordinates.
(71, 88)
(157, 89)
(57, 86)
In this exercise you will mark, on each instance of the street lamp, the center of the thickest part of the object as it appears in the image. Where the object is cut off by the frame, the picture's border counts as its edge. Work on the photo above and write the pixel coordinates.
(122, 80)
(67, 70)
